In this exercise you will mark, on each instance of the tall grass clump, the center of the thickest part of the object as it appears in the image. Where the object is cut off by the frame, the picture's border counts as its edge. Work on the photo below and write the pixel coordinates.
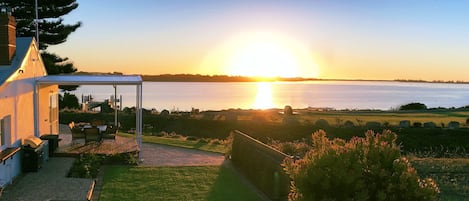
(369, 168)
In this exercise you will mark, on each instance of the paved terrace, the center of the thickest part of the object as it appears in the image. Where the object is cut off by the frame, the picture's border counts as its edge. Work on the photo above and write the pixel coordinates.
(107, 146)
(49, 183)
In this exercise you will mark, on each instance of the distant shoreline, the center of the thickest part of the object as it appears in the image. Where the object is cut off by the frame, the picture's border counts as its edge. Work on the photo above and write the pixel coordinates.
(227, 78)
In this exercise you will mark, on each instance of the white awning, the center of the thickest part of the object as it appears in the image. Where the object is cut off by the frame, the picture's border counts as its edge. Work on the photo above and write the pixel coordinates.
(91, 80)
(135, 80)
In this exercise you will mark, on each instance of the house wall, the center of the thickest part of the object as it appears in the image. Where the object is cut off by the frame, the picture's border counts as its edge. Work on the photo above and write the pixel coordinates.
(17, 110)
(45, 113)
(10, 169)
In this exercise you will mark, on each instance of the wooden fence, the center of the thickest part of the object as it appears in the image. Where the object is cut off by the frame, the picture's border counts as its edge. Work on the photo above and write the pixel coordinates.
(261, 164)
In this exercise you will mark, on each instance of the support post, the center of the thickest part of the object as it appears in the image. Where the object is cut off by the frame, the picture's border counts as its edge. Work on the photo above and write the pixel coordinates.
(36, 109)
(115, 105)
(138, 126)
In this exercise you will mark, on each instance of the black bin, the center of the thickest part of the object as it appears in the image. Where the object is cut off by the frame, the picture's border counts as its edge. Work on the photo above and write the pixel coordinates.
(53, 142)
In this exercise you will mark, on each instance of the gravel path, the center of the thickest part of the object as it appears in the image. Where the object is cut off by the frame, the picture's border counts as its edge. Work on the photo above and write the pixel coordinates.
(164, 155)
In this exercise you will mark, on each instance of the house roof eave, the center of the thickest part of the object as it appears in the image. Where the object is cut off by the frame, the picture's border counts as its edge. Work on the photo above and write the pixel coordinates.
(91, 80)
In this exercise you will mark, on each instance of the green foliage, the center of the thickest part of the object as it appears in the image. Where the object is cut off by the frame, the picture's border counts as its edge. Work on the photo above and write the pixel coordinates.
(57, 65)
(69, 101)
(411, 139)
(51, 27)
(89, 165)
(52, 30)
(413, 106)
(322, 123)
(121, 159)
(369, 168)
(86, 166)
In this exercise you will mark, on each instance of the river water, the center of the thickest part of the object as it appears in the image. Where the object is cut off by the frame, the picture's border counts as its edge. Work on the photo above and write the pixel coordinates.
(383, 95)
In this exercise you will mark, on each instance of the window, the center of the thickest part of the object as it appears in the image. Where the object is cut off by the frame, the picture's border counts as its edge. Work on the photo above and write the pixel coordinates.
(5, 129)
(2, 132)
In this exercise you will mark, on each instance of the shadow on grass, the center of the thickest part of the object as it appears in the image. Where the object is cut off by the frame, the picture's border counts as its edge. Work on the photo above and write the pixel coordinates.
(175, 183)
(230, 186)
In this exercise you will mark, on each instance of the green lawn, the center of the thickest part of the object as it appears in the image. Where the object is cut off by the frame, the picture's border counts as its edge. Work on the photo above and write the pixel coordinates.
(174, 183)
(181, 142)
(451, 175)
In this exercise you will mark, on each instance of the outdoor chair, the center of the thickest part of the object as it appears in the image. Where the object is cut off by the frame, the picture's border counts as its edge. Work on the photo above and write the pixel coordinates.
(77, 133)
(110, 133)
(92, 134)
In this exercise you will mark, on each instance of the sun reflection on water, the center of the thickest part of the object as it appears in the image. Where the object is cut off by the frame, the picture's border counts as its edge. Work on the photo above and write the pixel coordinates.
(264, 98)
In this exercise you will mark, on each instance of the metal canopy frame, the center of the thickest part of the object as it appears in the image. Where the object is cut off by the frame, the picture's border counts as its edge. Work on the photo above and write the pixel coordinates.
(112, 80)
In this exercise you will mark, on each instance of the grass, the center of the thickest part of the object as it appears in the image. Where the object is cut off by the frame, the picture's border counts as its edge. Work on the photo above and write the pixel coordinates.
(174, 183)
(451, 175)
(182, 142)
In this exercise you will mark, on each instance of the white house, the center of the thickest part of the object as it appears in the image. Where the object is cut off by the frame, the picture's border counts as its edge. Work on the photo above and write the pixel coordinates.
(29, 97)
(20, 66)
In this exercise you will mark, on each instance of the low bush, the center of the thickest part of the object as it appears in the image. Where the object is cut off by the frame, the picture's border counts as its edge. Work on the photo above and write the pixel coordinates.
(417, 124)
(129, 158)
(369, 168)
(322, 123)
(86, 166)
(89, 165)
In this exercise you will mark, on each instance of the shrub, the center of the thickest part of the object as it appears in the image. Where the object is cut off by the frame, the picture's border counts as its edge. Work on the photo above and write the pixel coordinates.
(322, 123)
(129, 158)
(349, 124)
(417, 124)
(86, 166)
(413, 106)
(373, 125)
(89, 165)
(297, 149)
(288, 110)
(369, 168)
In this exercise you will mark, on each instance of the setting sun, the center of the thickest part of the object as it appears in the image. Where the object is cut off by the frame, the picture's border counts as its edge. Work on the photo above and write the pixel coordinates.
(261, 54)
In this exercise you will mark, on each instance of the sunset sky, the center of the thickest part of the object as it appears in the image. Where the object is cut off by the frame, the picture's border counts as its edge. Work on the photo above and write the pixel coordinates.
(426, 40)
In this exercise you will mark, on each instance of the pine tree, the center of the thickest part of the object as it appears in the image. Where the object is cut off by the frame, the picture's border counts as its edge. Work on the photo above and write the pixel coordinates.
(52, 30)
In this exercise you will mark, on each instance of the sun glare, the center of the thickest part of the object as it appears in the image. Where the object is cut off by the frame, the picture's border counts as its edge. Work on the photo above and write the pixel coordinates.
(263, 58)
(261, 54)
(264, 96)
